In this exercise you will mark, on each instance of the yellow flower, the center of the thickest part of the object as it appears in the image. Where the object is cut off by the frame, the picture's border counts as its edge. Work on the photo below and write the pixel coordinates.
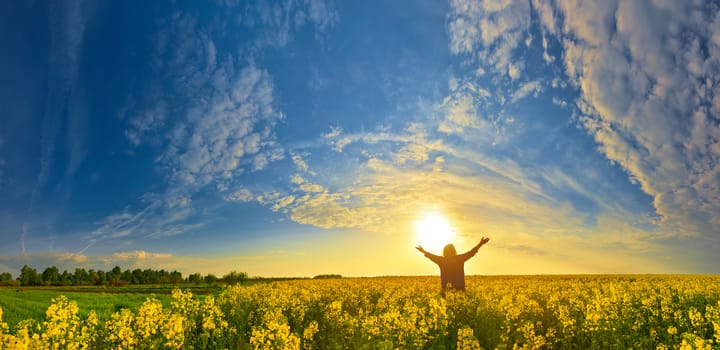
(62, 324)
(150, 317)
(173, 330)
(309, 333)
(466, 339)
(120, 329)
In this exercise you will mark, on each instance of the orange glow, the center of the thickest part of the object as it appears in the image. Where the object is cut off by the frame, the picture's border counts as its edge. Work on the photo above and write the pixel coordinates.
(434, 231)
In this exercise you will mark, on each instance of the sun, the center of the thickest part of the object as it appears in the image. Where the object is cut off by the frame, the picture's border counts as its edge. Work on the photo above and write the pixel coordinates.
(433, 231)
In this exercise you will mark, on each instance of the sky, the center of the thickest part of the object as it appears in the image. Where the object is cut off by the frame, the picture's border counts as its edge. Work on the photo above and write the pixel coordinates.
(308, 137)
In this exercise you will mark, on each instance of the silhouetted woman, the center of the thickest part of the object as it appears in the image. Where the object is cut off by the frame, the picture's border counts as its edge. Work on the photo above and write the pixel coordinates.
(452, 265)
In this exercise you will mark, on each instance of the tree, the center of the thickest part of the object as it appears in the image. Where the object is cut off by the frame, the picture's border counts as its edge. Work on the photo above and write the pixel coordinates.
(235, 277)
(210, 278)
(327, 276)
(127, 276)
(102, 277)
(29, 276)
(176, 277)
(164, 276)
(5, 279)
(138, 277)
(114, 276)
(195, 278)
(51, 276)
(81, 276)
(66, 278)
(151, 276)
(93, 277)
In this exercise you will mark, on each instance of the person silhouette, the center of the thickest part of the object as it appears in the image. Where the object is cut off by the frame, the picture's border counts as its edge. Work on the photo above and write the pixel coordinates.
(452, 265)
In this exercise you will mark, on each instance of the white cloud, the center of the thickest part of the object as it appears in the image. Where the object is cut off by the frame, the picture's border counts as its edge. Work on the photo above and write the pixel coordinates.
(322, 13)
(373, 200)
(449, 157)
(490, 31)
(461, 114)
(479, 192)
(241, 195)
(515, 69)
(300, 163)
(546, 14)
(559, 102)
(222, 129)
(145, 122)
(178, 201)
(645, 73)
(139, 255)
(336, 139)
(305, 186)
(311, 188)
(157, 216)
(530, 87)
(229, 128)
(277, 23)
(283, 202)
(471, 113)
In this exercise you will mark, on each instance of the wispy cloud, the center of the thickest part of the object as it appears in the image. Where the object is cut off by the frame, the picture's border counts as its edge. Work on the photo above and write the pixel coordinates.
(490, 31)
(526, 89)
(472, 155)
(226, 126)
(227, 135)
(646, 72)
(2, 161)
(67, 23)
(432, 171)
(569, 130)
(277, 23)
(158, 216)
(482, 194)
(64, 110)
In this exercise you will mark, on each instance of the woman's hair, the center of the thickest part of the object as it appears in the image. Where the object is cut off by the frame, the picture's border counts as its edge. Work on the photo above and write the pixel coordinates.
(449, 250)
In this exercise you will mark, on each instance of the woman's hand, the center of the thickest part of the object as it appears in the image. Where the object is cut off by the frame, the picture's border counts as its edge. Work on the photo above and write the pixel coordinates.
(420, 249)
(484, 240)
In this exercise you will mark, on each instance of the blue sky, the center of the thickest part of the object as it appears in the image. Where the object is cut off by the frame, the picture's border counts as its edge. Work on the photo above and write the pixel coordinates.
(298, 138)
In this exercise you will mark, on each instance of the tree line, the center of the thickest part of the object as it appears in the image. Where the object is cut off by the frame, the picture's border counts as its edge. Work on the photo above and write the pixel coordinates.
(52, 276)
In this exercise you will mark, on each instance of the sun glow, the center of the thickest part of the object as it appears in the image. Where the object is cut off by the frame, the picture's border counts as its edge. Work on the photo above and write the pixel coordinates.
(433, 231)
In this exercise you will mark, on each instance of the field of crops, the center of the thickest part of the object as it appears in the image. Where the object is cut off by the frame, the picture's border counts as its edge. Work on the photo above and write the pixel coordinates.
(21, 303)
(533, 312)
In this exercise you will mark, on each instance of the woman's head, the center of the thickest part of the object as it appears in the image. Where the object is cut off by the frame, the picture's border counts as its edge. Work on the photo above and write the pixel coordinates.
(449, 250)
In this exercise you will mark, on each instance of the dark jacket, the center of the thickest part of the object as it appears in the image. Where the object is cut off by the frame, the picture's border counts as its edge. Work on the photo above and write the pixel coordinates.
(452, 268)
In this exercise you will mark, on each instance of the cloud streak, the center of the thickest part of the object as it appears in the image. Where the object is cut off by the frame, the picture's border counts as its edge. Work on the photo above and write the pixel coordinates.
(647, 75)
(67, 25)
(633, 88)
(228, 115)
(569, 131)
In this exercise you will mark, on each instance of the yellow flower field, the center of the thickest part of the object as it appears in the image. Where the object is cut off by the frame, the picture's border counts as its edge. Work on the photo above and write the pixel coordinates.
(523, 312)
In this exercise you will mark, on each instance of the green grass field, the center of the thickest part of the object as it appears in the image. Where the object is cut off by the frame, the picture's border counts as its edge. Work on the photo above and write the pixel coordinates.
(21, 303)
